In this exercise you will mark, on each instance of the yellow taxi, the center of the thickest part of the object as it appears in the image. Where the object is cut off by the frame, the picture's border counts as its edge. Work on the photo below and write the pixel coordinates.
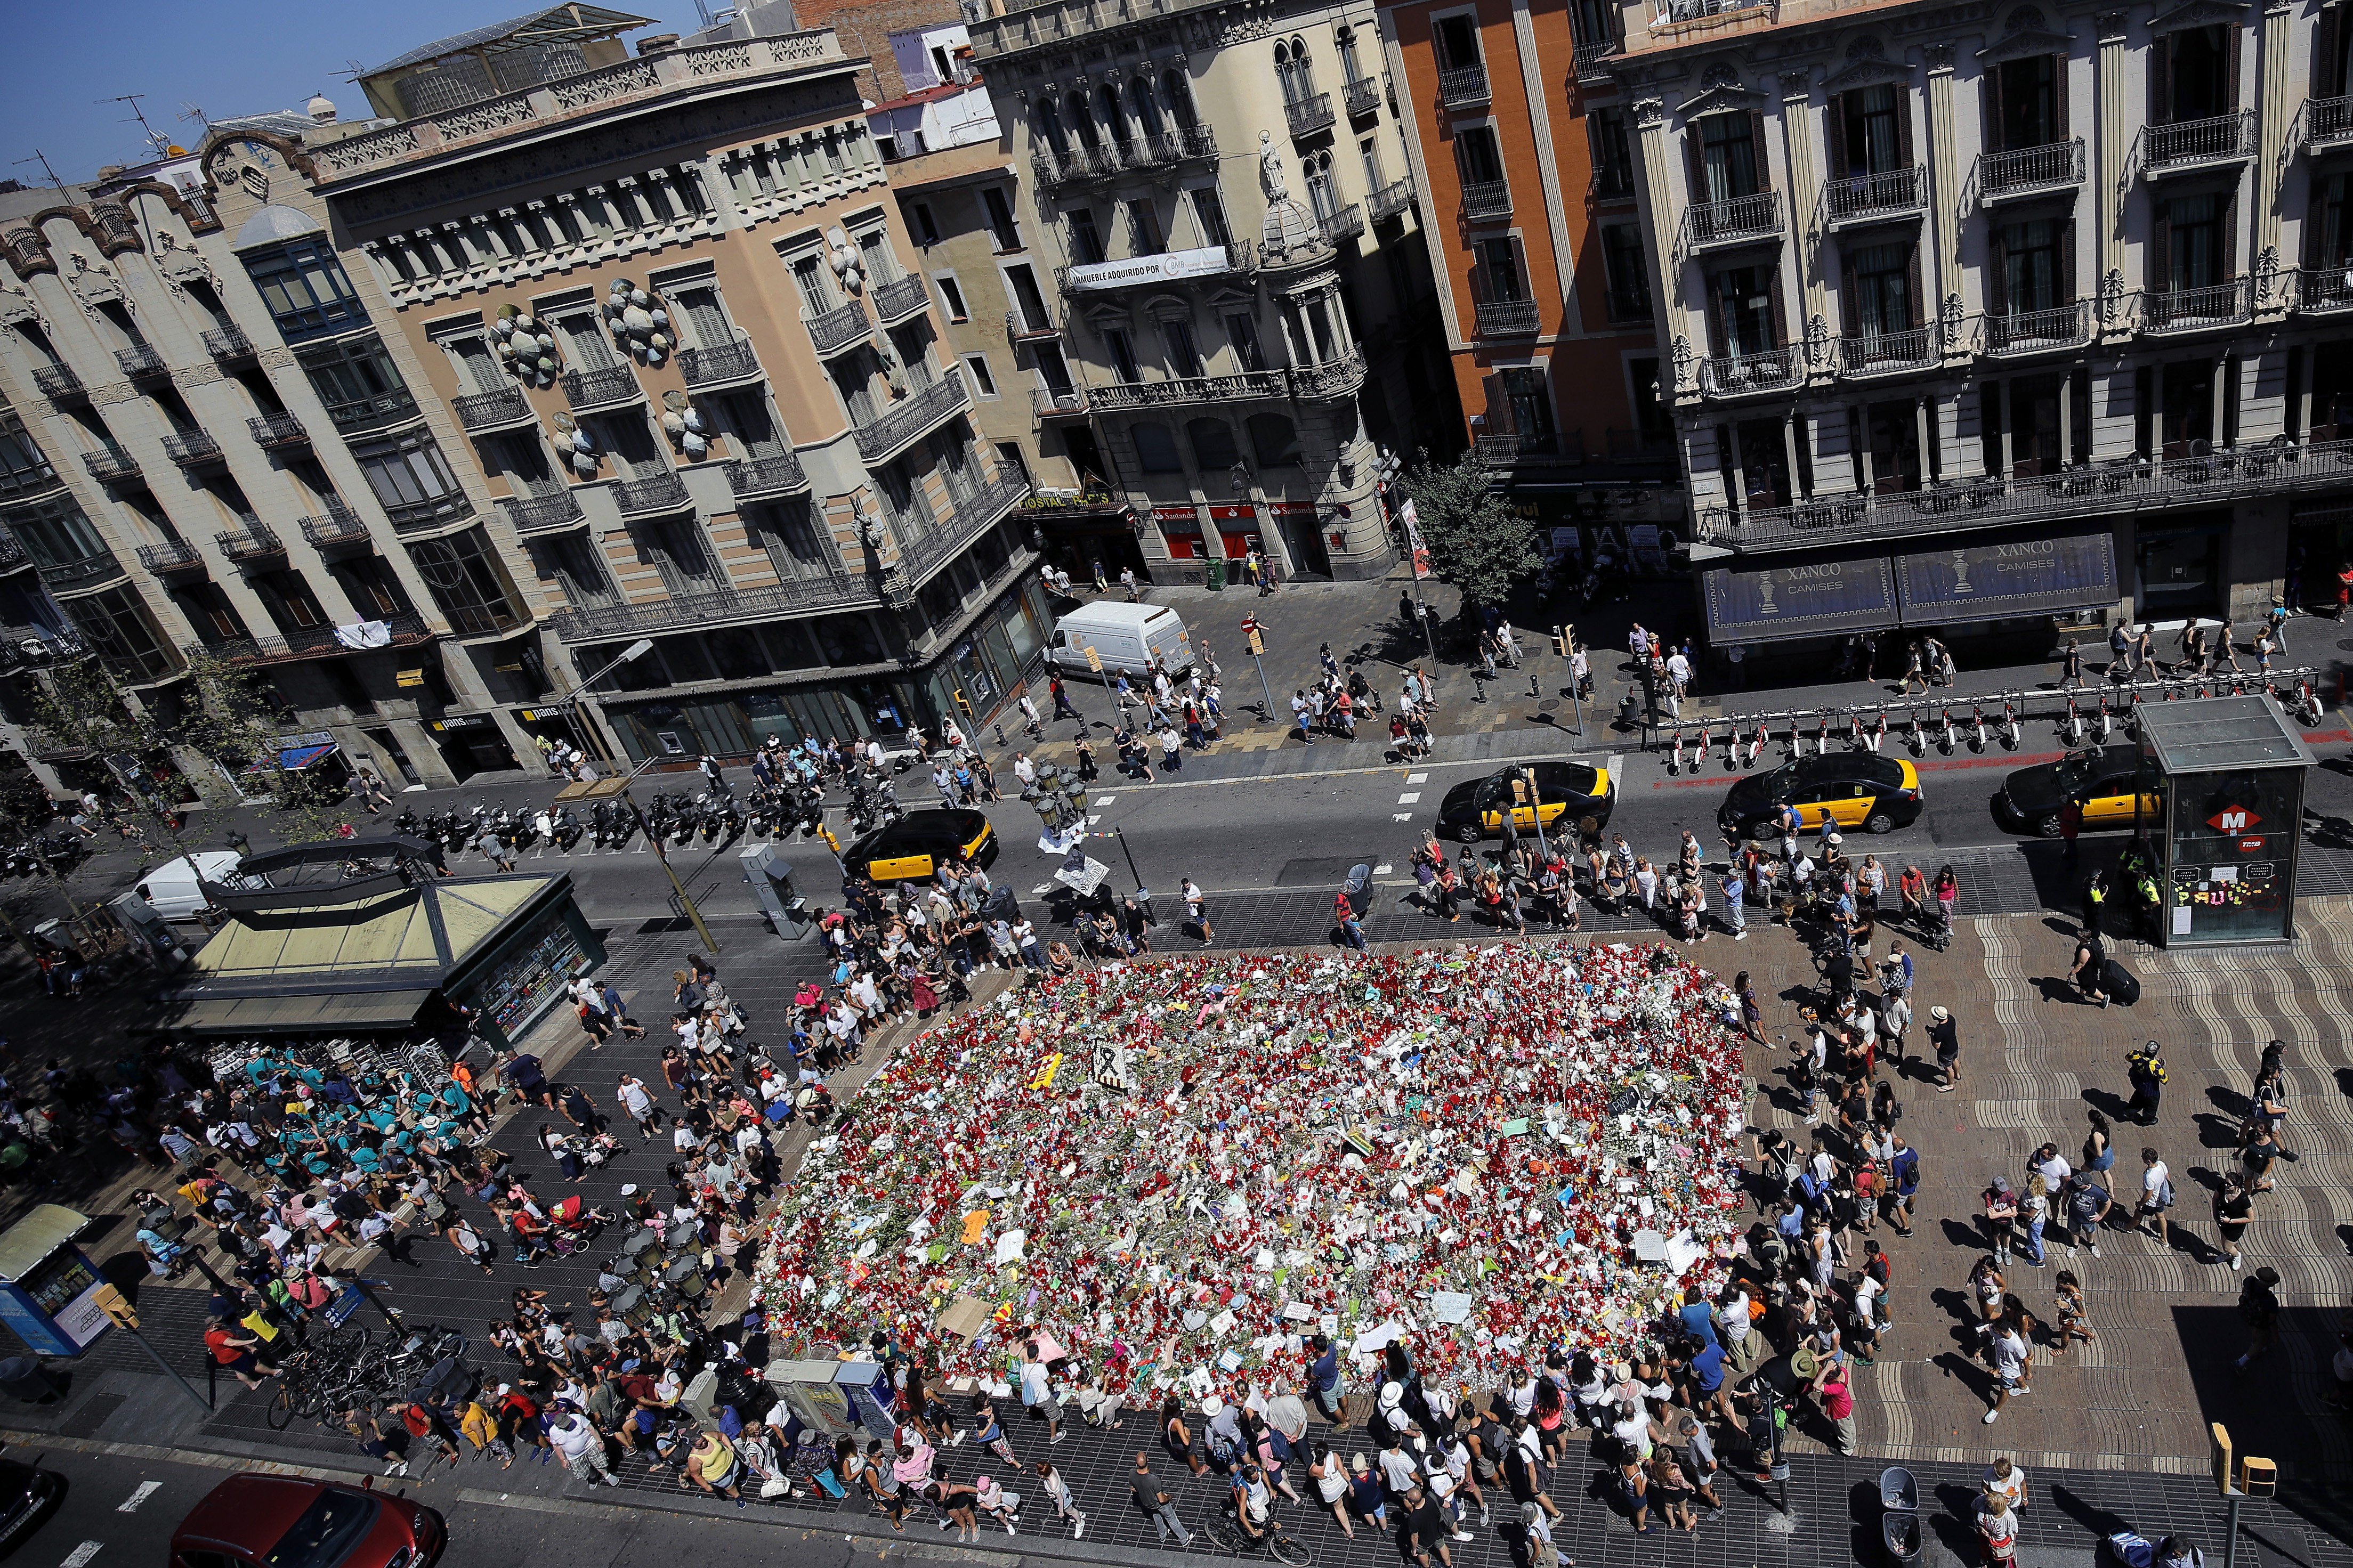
(918, 843)
(1854, 789)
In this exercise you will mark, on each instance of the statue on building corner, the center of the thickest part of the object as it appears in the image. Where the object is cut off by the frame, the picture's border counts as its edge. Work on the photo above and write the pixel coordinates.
(1949, 320)
(1683, 355)
(2112, 298)
(1270, 169)
(1818, 343)
(2267, 267)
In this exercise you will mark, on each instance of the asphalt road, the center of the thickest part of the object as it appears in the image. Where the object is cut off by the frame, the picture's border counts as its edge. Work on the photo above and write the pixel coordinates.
(120, 1510)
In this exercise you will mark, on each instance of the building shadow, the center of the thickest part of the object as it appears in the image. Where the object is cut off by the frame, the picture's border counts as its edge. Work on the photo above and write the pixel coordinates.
(2270, 1409)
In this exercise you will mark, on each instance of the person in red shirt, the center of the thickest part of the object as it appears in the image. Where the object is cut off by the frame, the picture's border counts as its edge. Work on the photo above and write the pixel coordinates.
(235, 1351)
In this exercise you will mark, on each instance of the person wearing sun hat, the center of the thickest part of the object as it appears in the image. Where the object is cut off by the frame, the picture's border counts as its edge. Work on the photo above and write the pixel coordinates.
(1945, 1035)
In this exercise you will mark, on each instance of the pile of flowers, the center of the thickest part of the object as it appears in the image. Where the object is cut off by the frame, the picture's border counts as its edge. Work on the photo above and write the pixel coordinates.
(1178, 1170)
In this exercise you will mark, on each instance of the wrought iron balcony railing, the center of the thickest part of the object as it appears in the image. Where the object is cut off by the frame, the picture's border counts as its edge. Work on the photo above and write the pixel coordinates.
(1306, 116)
(1059, 403)
(655, 493)
(1391, 199)
(278, 429)
(254, 542)
(1362, 96)
(602, 387)
(227, 343)
(1462, 86)
(883, 437)
(337, 528)
(142, 363)
(601, 623)
(900, 296)
(839, 327)
(1506, 318)
(1487, 198)
(2197, 143)
(1593, 59)
(111, 464)
(544, 514)
(192, 448)
(408, 627)
(173, 556)
(2196, 309)
(719, 365)
(1746, 374)
(2325, 122)
(1873, 198)
(1888, 353)
(778, 474)
(2028, 171)
(2035, 332)
(490, 410)
(1737, 220)
(58, 383)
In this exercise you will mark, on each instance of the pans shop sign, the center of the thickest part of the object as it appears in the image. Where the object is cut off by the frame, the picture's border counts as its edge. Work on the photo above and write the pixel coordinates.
(1817, 599)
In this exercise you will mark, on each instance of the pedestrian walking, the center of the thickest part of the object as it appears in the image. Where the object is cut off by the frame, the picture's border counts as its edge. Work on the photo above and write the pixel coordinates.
(2259, 1309)
(2155, 1195)
(1945, 1034)
(1197, 908)
(2145, 1069)
(1145, 1488)
(2013, 1356)
(2234, 1208)
(1352, 933)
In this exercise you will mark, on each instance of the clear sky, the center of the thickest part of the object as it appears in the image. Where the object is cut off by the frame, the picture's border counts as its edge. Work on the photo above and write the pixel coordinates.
(64, 64)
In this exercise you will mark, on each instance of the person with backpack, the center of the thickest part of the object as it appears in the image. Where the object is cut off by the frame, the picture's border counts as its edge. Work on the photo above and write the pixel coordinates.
(2145, 1069)
(1904, 1182)
(2155, 1194)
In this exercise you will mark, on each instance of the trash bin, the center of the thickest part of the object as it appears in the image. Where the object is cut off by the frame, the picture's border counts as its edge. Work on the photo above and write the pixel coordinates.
(23, 1377)
(1216, 574)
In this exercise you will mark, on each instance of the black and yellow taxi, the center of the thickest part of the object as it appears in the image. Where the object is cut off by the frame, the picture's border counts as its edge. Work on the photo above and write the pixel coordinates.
(2105, 780)
(919, 842)
(1549, 792)
(1852, 789)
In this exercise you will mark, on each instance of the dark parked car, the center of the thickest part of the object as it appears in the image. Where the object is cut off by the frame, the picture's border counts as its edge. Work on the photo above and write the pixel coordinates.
(1475, 809)
(253, 1521)
(913, 848)
(28, 1493)
(2102, 781)
(1854, 789)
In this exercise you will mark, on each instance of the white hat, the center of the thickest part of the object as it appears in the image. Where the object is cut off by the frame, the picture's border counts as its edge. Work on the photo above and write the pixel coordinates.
(1938, 1014)
(1392, 1394)
(628, 1189)
(1213, 1406)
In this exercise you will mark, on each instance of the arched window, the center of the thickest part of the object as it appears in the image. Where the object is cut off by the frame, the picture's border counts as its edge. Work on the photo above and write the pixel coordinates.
(1275, 440)
(1050, 126)
(1316, 168)
(1291, 69)
(1213, 445)
(1178, 93)
(1082, 119)
(1140, 101)
(1155, 449)
(1113, 118)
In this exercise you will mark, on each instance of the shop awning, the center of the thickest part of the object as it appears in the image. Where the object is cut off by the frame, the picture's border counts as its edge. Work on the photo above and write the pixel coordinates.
(2021, 577)
(1778, 604)
(296, 759)
(320, 1013)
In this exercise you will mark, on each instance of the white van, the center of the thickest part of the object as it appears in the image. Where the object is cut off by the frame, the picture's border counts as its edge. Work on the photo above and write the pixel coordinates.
(1126, 636)
(171, 888)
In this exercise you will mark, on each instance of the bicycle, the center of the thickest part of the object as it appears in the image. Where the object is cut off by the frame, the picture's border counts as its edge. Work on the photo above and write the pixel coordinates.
(319, 1377)
(1225, 1535)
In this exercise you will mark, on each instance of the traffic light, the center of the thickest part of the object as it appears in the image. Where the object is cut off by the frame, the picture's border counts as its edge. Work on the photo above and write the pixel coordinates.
(117, 1306)
(1560, 642)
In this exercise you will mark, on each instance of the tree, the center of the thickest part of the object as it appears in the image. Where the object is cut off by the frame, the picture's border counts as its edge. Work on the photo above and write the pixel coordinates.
(1477, 543)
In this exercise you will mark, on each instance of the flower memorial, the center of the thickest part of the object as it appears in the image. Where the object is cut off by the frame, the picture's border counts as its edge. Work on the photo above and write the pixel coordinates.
(1175, 1171)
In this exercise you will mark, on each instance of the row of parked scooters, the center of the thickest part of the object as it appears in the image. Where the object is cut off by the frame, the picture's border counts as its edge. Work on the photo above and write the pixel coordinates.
(675, 818)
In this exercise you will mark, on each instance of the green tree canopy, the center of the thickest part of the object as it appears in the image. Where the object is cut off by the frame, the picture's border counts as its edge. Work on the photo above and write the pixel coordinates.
(1477, 543)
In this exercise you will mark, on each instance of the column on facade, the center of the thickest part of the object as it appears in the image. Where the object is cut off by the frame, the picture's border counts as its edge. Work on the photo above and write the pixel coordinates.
(2113, 139)
(1943, 183)
(1650, 130)
(1797, 145)
(1798, 491)
(598, 211)
(1832, 453)
(2278, 67)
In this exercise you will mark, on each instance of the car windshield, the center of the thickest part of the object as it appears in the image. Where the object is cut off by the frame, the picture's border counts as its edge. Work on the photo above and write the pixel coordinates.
(1782, 782)
(326, 1533)
(2081, 769)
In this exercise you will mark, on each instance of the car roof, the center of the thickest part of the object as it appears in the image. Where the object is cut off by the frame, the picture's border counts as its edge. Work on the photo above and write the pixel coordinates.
(250, 1512)
(924, 827)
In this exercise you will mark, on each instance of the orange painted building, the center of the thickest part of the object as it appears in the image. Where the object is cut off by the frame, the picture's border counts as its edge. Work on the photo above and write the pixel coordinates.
(1522, 150)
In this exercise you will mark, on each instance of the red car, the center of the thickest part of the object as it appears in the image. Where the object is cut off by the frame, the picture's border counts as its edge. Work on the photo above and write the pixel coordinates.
(283, 1521)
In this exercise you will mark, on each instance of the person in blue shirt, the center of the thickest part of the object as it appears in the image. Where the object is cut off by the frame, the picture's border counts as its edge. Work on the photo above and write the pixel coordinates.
(1697, 1320)
(1323, 1376)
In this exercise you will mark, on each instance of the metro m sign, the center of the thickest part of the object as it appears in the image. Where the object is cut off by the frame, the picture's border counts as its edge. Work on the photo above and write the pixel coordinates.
(2232, 819)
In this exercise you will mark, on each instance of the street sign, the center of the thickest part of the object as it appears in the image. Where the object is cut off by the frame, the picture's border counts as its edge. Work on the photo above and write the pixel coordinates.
(1095, 659)
(1412, 520)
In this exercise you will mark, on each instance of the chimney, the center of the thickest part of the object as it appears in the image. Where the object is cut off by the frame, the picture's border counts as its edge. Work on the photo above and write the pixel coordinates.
(659, 44)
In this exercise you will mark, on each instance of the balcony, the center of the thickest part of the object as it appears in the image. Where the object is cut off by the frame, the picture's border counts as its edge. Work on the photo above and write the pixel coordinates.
(1487, 198)
(1506, 318)
(1748, 375)
(1701, 10)
(408, 627)
(1341, 377)
(368, 413)
(1463, 87)
(227, 345)
(1362, 97)
(924, 551)
(720, 366)
(2031, 332)
(1020, 329)
(2029, 172)
(1736, 221)
(1345, 224)
(2172, 312)
(1890, 197)
(684, 612)
(255, 542)
(1390, 200)
(1136, 271)
(173, 558)
(1593, 60)
(1076, 166)
(141, 364)
(1121, 396)
(883, 438)
(658, 493)
(1057, 402)
(89, 572)
(1870, 354)
(111, 464)
(900, 297)
(2322, 290)
(58, 383)
(2197, 144)
(192, 448)
(494, 410)
(1308, 115)
(752, 477)
(2326, 122)
(339, 528)
(838, 328)
(12, 554)
(278, 429)
(1548, 447)
(605, 387)
(2127, 486)
(544, 514)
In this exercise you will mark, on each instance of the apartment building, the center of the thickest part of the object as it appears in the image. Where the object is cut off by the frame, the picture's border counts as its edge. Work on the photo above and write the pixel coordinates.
(670, 301)
(960, 198)
(1521, 141)
(237, 454)
(2000, 317)
(34, 631)
(1225, 196)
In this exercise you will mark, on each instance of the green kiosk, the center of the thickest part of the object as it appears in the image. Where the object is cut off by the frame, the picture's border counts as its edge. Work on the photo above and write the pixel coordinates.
(2229, 775)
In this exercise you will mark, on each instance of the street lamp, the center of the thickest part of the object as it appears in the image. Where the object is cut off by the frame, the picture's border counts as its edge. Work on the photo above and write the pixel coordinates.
(1385, 475)
(618, 783)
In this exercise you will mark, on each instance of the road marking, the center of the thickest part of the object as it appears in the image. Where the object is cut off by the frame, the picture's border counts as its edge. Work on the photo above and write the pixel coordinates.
(1416, 778)
(1409, 797)
(1402, 816)
(1617, 765)
(146, 1490)
(1040, 888)
(1105, 799)
(1095, 818)
(1383, 868)
(81, 1555)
